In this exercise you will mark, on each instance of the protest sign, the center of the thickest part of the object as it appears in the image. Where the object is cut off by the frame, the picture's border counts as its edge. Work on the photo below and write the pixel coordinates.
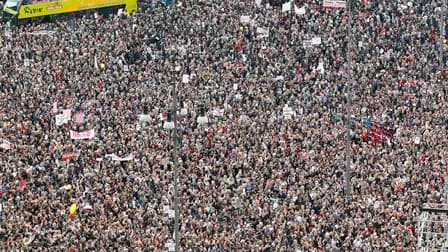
(82, 135)
(170, 212)
(320, 67)
(307, 43)
(170, 246)
(244, 19)
(185, 78)
(262, 32)
(4, 144)
(316, 41)
(334, 4)
(287, 112)
(218, 112)
(117, 158)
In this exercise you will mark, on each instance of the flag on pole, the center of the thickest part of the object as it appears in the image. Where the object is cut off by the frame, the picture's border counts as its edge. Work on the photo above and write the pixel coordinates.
(286, 7)
(95, 63)
(299, 11)
(72, 210)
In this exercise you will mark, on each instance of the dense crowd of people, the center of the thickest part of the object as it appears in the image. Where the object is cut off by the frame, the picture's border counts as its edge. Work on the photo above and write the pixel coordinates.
(86, 164)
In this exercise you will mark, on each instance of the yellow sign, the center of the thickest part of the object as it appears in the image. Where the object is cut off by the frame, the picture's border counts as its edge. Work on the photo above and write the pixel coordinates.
(66, 6)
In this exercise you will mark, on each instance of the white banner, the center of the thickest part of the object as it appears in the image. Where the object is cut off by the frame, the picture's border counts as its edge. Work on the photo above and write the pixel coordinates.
(307, 43)
(117, 158)
(144, 118)
(334, 4)
(82, 135)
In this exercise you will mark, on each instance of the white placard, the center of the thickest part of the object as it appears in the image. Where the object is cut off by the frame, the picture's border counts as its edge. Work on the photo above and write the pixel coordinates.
(244, 19)
(170, 246)
(417, 140)
(320, 67)
(171, 213)
(218, 112)
(185, 78)
(316, 41)
(262, 32)
(288, 112)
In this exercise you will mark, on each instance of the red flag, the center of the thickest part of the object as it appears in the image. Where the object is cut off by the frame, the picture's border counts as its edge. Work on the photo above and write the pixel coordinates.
(364, 134)
(68, 156)
(22, 184)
